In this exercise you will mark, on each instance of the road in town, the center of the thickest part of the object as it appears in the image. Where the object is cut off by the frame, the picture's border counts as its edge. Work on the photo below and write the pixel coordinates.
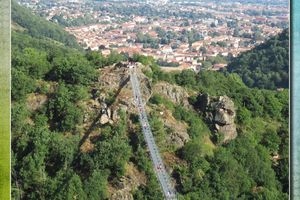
(159, 168)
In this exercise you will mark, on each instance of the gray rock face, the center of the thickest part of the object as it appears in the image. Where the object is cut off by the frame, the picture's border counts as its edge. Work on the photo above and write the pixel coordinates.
(228, 131)
(220, 112)
(173, 92)
(178, 131)
(224, 110)
(178, 138)
(116, 79)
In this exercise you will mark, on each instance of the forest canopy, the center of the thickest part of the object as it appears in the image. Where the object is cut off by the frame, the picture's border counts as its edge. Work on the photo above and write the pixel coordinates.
(265, 66)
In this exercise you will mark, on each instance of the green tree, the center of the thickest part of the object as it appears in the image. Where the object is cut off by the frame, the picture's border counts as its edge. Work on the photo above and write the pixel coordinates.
(21, 86)
(19, 114)
(96, 59)
(112, 154)
(73, 69)
(70, 187)
(31, 164)
(96, 186)
(186, 78)
(62, 111)
(192, 151)
(114, 57)
(32, 62)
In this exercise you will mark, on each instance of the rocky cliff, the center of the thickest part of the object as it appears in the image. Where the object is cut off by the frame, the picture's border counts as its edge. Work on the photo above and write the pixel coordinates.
(116, 90)
(175, 93)
(220, 113)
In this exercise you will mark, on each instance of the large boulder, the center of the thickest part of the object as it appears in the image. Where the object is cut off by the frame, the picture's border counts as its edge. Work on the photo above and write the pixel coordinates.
(105, 114)
(224, 111)
(220, 113)
(104, 119)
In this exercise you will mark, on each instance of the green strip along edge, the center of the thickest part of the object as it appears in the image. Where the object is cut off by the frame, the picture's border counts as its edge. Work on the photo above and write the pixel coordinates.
(5, 99)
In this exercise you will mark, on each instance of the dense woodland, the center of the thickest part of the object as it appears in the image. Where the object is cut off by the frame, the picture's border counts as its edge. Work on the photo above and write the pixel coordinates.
(46, 159)
(39, 28)
(265, 66)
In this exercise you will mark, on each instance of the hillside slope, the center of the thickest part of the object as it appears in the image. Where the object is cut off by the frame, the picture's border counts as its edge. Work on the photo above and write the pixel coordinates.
(38, 27)
(75, 130)
(265, 66)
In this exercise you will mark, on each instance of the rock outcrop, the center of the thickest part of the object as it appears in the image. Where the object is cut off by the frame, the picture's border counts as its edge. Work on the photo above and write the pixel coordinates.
(115, 85)
(35, 101)
(175, 93)
(123, 188)
(116, 80)
(105, 114)
(220, 113)
(113, 93)
(178, 135)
